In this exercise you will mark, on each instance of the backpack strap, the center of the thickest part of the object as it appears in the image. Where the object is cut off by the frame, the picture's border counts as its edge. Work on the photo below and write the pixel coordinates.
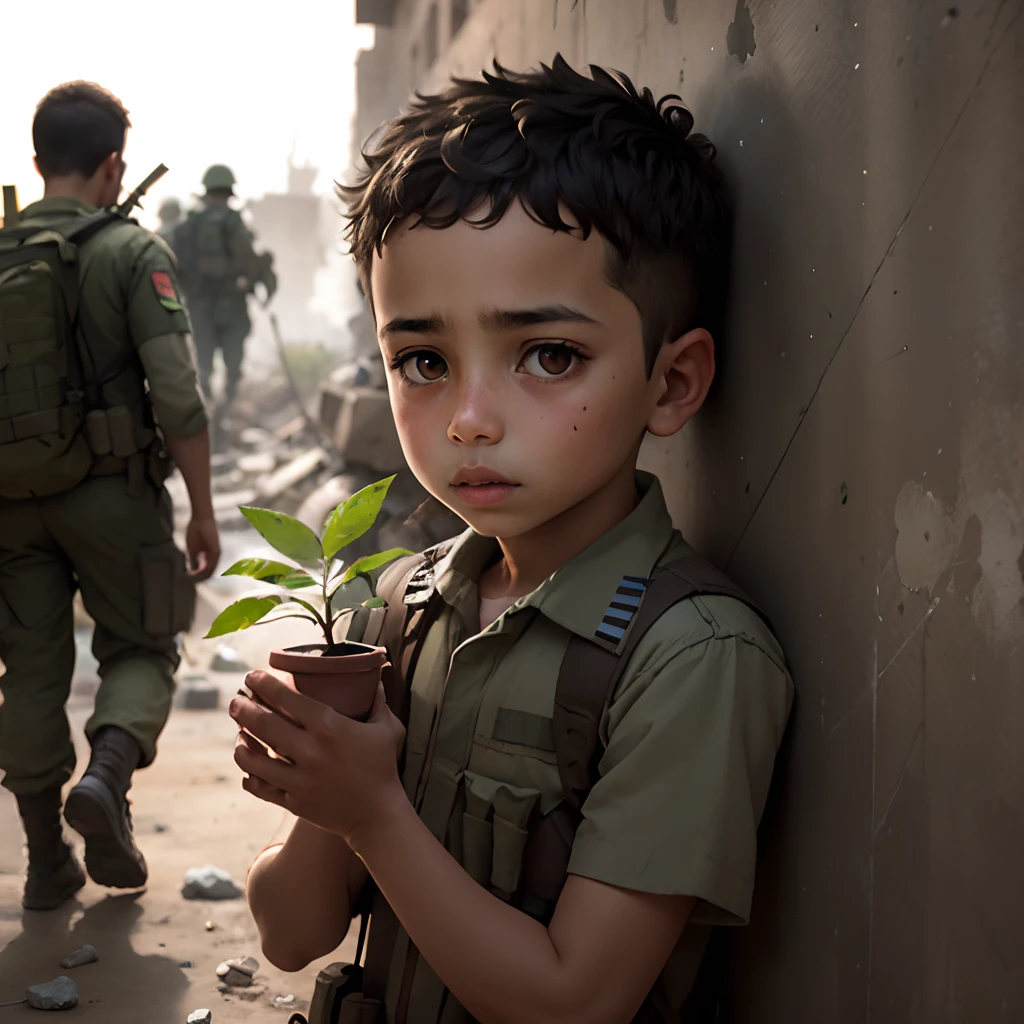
(590, 673)
(412, 602)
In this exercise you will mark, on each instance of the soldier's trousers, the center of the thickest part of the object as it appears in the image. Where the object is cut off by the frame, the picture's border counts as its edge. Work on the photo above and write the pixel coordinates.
(210, 337)
(118, 549)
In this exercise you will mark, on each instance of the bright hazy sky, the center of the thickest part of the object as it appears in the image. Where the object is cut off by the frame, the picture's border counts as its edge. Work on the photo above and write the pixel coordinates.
(214, 82)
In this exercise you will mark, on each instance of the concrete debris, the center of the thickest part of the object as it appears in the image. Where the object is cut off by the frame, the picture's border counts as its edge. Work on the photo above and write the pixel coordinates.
(209, 883)
(290, 429)
(288, 1000)
(59, 994)
(291, 474)
(238, 971)
(360, 422)
(255, 437)
(257, 463)
(197, 693)
(227, 659)
(85, 955)
(200, 1017)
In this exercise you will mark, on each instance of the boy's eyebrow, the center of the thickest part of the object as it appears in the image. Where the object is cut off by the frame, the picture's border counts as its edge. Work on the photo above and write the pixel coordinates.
(413, 325)
(510, 319)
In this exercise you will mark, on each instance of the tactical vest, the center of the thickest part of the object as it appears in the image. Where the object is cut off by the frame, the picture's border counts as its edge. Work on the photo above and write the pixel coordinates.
(202, 245)
(587, 680)
(55, 425)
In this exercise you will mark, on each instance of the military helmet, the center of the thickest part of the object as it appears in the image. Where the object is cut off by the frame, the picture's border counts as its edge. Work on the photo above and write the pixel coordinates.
(170, 209)
(218, 176)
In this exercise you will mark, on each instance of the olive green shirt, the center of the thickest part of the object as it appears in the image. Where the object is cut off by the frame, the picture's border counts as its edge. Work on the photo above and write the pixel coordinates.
(129, 298)
(690, 736)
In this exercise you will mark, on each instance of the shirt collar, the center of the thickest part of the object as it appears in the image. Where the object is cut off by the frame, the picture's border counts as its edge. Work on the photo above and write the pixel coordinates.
(57, 205)
(577, 596)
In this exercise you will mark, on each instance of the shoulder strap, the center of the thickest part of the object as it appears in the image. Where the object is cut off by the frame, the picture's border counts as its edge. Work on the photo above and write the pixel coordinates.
(590, 673)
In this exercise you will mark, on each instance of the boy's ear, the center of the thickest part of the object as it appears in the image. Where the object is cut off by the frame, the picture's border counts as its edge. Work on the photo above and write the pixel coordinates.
(682, 376)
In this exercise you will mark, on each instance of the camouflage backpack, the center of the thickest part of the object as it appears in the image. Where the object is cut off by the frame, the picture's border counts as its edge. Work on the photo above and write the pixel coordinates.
(48, 381)
(202, 244)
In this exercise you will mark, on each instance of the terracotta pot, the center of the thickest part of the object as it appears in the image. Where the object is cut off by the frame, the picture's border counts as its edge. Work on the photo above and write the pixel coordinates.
(346, 679)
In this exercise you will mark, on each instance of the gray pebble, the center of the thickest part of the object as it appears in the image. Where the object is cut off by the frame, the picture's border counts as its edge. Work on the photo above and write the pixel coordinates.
(209, 883)
(85, 955)
(59, 994)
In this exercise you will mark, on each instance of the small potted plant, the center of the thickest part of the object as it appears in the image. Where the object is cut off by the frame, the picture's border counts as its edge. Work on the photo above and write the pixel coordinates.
(343, 675)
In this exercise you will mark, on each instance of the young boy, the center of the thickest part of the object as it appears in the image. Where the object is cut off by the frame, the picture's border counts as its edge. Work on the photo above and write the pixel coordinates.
(543, 253)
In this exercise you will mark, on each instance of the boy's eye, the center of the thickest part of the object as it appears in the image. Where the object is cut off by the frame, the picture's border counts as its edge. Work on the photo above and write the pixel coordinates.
(423, 367)
(550, 360)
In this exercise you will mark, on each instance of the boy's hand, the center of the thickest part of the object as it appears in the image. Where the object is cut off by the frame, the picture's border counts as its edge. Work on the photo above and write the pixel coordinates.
(342, 773)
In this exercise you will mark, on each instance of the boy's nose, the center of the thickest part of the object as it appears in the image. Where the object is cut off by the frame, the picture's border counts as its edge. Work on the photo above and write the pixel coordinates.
(476, 418)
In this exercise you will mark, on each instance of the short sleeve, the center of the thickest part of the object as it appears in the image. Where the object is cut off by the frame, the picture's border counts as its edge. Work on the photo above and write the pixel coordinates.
(691, 742)
(154, 302)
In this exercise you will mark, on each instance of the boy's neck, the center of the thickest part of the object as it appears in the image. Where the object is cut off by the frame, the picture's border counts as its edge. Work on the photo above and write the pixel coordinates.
(530, 558)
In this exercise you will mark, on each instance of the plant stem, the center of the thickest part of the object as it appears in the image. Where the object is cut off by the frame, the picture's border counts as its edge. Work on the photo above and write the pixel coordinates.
(328, 622)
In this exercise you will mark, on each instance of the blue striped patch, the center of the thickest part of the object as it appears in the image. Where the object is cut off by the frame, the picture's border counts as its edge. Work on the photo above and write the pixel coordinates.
(624, 604)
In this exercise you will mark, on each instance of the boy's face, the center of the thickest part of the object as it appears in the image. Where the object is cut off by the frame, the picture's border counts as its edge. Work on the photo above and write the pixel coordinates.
(516, 371)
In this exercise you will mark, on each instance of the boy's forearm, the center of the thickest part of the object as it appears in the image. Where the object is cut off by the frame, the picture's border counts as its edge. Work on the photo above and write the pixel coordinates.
(299, 896)
(500, 964)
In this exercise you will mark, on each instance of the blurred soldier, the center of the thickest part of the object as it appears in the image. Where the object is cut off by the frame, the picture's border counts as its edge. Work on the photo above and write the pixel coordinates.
(170, 217)
(97, 387)
(219, 270)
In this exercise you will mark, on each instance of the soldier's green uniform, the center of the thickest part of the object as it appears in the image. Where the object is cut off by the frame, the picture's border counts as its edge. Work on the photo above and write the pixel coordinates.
(218, 269)
(170, 215)
(111, 534)
(690, 740)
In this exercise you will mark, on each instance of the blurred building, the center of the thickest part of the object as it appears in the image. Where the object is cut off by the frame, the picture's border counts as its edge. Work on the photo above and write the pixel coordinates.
(290, 225)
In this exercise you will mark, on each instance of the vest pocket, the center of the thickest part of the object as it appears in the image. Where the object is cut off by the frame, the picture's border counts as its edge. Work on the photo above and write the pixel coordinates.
(494, 832)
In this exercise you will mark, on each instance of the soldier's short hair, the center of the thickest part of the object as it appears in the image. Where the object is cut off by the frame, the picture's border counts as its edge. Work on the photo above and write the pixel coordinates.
(76, 126)
(618, 161)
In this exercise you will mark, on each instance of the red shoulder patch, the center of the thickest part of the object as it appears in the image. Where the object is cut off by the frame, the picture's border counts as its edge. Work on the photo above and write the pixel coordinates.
(162, 285)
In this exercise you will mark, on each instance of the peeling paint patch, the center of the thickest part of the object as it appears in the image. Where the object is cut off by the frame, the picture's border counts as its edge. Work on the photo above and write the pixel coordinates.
(739, 39)
(928, 538)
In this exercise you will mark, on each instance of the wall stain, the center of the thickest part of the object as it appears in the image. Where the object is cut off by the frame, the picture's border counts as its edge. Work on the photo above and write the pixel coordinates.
(671, 12)
(739, 39)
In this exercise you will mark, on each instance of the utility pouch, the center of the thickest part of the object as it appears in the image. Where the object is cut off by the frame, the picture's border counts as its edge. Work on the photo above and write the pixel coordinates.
(168, 595)
(97, 434)
(122, 432)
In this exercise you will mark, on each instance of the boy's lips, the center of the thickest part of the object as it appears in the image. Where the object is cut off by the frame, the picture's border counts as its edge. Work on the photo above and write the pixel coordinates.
(480, 486)
(480, 475)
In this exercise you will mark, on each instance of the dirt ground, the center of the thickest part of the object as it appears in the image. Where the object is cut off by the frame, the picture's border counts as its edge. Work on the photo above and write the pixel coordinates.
(157, 959)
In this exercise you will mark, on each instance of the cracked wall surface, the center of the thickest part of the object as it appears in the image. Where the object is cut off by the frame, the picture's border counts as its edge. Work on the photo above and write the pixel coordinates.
(860, 468)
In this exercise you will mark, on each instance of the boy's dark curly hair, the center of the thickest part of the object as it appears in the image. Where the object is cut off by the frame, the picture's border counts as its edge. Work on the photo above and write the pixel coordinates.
(618, 161)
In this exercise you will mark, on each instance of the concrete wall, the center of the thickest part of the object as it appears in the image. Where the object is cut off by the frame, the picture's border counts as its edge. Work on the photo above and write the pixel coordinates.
(861, 467)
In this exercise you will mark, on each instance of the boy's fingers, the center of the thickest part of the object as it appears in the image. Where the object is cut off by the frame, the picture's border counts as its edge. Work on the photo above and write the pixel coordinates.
(275, 692)
(261, 765)
(265, 725)
(262, 791)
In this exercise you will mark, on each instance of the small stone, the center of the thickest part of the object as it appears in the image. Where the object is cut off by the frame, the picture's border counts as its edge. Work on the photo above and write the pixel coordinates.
(59, 994)
(209, 926)
(209, 883)
(184, 964)
(238, 971)
(161, 828)
(227, 659)
(284, 1000)
(200, 1017)
(197, 693)
(85, 955)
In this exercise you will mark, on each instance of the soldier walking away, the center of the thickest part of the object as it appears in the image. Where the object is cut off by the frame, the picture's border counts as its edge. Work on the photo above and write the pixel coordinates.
(219, 270)
(98, 394)
(170, 215)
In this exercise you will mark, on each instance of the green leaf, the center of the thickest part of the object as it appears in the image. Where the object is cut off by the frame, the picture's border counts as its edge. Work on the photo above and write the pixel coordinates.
(285, 534)
(374, 602)
(242, 614)
(351, 519)
(276, 573)
(363, 566)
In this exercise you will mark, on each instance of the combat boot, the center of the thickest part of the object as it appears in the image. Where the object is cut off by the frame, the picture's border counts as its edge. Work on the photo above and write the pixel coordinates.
(98, 810)
(54, 874)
